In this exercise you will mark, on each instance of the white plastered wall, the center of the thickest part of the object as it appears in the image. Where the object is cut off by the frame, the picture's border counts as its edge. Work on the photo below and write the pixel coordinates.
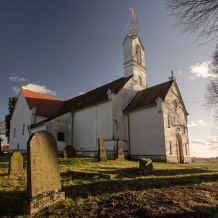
(120, 101)
(92, 123)
(22, 115)
(61, 124)
(147, 133)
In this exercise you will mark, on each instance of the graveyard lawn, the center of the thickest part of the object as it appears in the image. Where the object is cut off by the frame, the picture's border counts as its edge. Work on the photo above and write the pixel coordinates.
(113, 188)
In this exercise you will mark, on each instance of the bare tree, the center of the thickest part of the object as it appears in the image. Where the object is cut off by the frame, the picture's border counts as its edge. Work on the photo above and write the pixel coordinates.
(11, 105)
(200, 16)
(211, 96)
(2, 127)
(215, 61)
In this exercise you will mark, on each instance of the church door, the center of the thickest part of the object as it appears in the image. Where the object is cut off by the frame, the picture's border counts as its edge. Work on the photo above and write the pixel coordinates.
(179, 152)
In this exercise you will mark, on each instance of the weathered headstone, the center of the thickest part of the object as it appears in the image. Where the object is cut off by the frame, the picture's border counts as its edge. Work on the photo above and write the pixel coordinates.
(145, 166)
(120, 155)
(43, 177)
(15, 163)
(69, 152)
(102, 154)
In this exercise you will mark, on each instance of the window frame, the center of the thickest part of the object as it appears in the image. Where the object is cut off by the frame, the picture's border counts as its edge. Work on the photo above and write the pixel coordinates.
(23, 129)
(14, 132)
(61, 136)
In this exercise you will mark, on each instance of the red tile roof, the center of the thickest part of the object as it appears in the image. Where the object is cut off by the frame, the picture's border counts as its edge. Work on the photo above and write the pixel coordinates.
(94, 96)
(148, 96)
(32, 94)
(45, 105)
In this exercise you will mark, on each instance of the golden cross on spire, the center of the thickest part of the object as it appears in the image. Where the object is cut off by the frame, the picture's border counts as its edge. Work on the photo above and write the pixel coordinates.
(133, 17)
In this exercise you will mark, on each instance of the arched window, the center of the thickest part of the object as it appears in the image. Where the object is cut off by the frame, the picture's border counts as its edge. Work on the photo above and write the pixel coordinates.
(138, 53)
(140, 80)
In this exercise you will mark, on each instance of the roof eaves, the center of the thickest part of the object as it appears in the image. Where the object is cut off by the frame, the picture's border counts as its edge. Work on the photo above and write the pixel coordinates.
(181, 97)
(82, 107)
(138, 108)
(39, 124)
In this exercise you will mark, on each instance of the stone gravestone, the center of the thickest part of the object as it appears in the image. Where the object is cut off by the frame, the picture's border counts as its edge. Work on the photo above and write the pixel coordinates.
(102, 155)
(120, 155)
(43, 177)
(15, 163)
(145, 166)
(69, 152)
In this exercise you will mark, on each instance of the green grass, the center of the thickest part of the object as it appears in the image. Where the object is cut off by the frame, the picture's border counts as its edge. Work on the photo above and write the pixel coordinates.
(114, 189)
(205, 160)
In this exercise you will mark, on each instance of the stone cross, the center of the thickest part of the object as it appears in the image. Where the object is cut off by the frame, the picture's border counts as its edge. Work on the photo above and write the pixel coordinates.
(102, 154)
(120, 155)
(43, 177)
(15, 163)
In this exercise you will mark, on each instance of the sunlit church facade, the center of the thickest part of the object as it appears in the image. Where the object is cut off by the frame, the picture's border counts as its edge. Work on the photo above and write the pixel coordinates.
(151, 121)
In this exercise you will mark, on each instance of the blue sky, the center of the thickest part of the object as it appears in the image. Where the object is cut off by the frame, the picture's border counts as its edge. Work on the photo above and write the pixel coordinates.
(66, 47)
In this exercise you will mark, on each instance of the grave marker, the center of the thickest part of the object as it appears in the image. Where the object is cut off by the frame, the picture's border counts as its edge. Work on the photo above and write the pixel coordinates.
(102, 154)
(69, 152)
(120, 155)
(15, 163)
(43, 177)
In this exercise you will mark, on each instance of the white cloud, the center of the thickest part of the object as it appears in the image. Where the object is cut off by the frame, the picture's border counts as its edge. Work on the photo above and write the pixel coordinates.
(81, 93)
(207, 142)
(16, 89)
(203, 148)
(180, 73)
(199, 141)
(17, 79)
(195, 123)
(39, 89)
(35, 88)
(202, 70)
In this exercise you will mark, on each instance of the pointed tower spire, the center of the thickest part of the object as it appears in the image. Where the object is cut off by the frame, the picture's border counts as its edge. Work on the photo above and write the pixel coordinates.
(134, 54)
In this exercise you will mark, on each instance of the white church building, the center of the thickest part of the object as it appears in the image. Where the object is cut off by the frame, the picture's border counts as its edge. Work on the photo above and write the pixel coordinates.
(151, 121)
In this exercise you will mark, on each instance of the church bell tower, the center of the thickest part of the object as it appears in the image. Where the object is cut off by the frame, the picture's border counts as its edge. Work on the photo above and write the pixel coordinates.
(134, 55)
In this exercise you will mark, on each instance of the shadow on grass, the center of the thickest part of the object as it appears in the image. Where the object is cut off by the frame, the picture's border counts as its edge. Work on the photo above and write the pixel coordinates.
(11, 203)
(4, 174)
(172, 172)
(4, 157)
(83, 176)
(4, 165)
(138, 184)
(129, 173)
(77, 159)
